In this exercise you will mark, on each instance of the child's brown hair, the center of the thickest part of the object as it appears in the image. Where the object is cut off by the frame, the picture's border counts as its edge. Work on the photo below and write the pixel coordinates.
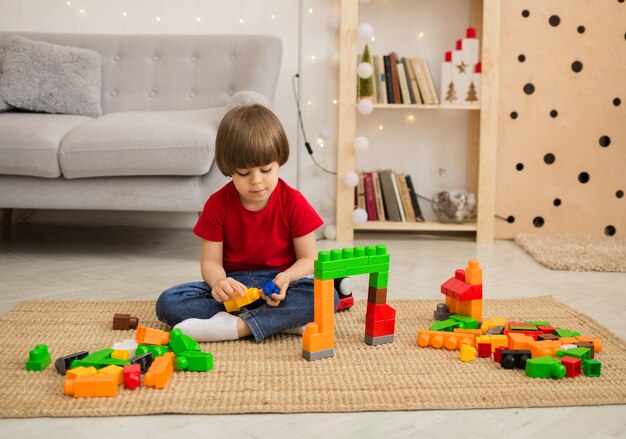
(250, 136)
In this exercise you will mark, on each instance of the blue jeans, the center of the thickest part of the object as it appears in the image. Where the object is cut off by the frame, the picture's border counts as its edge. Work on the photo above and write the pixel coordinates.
(194, 300)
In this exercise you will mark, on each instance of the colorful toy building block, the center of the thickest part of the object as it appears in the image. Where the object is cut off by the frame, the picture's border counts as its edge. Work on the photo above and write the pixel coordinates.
(197, 361)
(91, 386)
(144, 361)
(592, 368)
(442, 312)
(467, 353)
(129, 344)
(152, 336)
(38, 358)
(450, 340)
(573, 366)
(464, 291)
(582, 353)
(180, 342)
(132, 376)
(124, 321)
(545, 367)
(120, 354)
(252, 295)
(483, 349)
(99, 359)
(160, 371)
(63, 364)
(587, 344)
(444, 325)
(465, 321)
(513, 358)
(71, 374)
(156, 351)
(493, 323)
(113, 370)
(270, 288)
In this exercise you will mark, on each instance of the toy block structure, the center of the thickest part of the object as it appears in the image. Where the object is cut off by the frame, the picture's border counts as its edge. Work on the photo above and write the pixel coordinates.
(252, 295)
(464, 291)
(318, 340)
(152, 336)
(124, 321)
(86, 386)
(160, 371)
(38, 358)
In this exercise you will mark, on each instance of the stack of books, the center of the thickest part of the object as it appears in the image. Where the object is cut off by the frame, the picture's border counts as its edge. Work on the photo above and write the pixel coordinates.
(388, 196)
(400, 80)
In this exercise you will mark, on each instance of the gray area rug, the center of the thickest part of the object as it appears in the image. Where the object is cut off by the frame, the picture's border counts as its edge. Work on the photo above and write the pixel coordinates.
(576, 252)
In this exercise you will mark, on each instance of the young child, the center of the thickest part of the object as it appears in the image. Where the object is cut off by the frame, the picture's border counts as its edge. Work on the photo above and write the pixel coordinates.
(254, 229)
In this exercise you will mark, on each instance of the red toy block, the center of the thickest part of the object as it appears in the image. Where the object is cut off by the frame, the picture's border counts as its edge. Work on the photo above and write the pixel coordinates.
(132, 376)
(484, 349)
(379, 312)
(497, 354)
(573, 366)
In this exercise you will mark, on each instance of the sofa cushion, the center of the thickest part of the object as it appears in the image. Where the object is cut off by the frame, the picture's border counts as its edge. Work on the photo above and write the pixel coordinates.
(142, 143)
(40, 76)
(29, 143)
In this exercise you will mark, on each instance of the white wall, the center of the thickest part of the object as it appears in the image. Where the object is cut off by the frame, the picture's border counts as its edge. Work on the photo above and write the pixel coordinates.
(434, 145)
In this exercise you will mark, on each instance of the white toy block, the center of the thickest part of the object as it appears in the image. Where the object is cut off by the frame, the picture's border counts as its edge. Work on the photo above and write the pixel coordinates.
(129, 345)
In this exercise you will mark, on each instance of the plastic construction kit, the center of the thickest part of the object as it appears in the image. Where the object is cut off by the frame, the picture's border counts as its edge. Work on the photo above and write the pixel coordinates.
(534, 346)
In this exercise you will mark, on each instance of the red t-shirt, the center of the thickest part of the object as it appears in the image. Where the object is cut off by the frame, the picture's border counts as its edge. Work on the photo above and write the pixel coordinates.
(261, 240)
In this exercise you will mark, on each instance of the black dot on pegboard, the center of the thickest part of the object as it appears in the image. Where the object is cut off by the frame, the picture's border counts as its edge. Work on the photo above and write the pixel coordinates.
(577, 66)
(581, 29)
(519, 166)
(529, 89)
(514, 115)
(554, 20)
(525, 13)
(554, 113)
(617, 102)
(619, 193)
(521, 58)
(604, 141)
(583, 177)
(510, 219)
(557, 202)
(538, 221)
(610, 230)
(620, 1)
(549, 158)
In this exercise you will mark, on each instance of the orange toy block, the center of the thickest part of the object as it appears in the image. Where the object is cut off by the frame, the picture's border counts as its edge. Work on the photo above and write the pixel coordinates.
(323, 288)
(318, 342)
(113, 370)
(493, 323)
(597, 344)
(450, 340)
(519, 341)
(452, 304)
(473, 273)
(544, 348)
(252, 295)
(472, 308)
(152, 336)
(160, 371)
(91, 386)
(476, 332)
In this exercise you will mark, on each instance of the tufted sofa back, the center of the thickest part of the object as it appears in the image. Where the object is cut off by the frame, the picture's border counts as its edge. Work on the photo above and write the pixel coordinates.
(175, 72)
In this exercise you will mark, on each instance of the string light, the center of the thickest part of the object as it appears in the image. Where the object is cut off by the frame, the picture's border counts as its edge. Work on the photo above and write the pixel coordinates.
(241, 20)
(410, 118)
(313, 57)
(124, 14)
(335, 101)
(310, 10)
(309, 102)
(198, 19)
(420, 35)
(380, 127)
(68, 3)
(272, 16)
(82, 12)
(158, 19)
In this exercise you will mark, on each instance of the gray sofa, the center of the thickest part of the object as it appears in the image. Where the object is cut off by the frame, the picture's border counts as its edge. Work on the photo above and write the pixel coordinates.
(162, 99)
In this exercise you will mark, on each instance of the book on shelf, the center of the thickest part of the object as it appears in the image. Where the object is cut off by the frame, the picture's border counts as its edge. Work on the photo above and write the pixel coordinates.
(370, 201)
(360, 193)
(404, 85)
(378, 197)
(413, 87)
(396, 193)
(388, 79)
(393, 62)
(405, 198)
(381, 86)
(425, 81)
(414, 199)
(387, 183)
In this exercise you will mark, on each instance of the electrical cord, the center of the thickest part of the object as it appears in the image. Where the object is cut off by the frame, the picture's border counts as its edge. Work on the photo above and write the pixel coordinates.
(307, 145)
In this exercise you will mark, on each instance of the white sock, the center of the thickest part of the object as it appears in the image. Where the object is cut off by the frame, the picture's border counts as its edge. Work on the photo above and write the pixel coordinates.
(297, 330)
(222, 326)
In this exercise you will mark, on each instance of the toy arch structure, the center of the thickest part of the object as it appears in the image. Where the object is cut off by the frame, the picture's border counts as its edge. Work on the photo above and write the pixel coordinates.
(318, 340)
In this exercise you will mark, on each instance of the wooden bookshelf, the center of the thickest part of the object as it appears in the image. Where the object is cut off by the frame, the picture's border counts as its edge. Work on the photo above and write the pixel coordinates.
(481, 135)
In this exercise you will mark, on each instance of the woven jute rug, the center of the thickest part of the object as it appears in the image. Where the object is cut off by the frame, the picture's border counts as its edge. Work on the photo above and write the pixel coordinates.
(576, 252)
(272, 376)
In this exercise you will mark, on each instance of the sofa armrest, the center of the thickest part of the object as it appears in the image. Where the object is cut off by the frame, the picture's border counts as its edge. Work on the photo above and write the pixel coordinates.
(247, 97)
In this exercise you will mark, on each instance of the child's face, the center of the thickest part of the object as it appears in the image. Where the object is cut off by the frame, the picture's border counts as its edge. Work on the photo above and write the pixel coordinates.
(255, 185)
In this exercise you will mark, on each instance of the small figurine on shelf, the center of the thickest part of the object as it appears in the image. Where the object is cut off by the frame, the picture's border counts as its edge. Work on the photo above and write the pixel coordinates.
(454, 206)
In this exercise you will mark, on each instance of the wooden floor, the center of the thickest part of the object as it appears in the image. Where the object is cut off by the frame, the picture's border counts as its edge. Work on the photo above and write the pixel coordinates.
(39, 262)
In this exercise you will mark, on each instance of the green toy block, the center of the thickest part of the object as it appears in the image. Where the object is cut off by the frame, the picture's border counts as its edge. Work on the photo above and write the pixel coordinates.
(466, 322)
(115, 361)
(591, 368)
(156, 351)
(379, 280)
(537, 322)
(329, 260)
(522, 328)
(582, 353)
(329, 274)
(362, 269)
(566, 333)
(38, 358)
(545, 367)
(444, 325)
(94, 359)
(180, 342)
(379, 259)
(194, 361)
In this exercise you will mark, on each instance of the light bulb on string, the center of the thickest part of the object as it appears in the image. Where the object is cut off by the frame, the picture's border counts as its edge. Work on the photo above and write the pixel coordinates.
(365, 106)
(350, 179)
(325, 133)
(359, 216)
(330, 232)
(365, 70)
(332, 22)
(365, 31)
(361, 143)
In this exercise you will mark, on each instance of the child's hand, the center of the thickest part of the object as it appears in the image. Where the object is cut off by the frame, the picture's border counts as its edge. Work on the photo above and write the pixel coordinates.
(282, 281)
(227, 289)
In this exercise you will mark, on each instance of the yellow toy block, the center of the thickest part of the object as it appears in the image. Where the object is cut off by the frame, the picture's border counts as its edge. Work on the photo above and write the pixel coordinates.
(493, 323)
(497, 341)
(152, 336)
(91, 386)
(72, 374)
(160, 371)
(120, 354)
(467, 353)
(473, 273)
(113, 370)
(252, 295)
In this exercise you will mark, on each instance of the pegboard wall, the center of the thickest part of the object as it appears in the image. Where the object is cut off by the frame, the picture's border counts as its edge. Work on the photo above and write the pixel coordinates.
(561, 164)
